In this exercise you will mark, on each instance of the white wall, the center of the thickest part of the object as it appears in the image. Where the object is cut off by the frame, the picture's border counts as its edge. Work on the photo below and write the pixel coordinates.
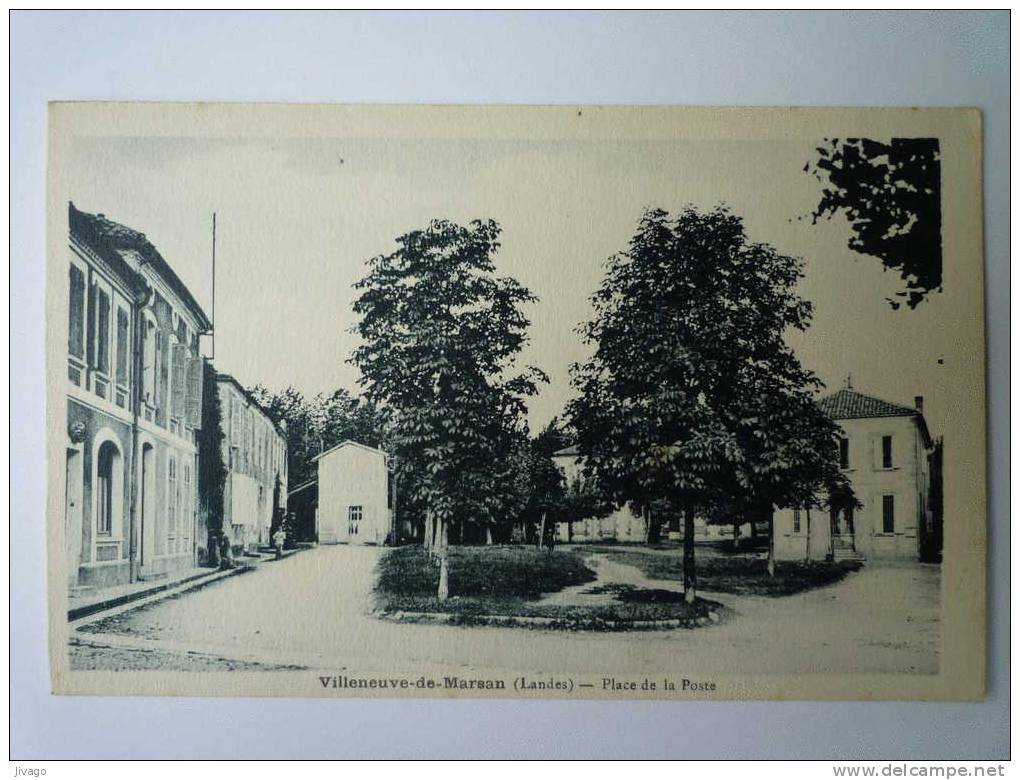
(353, 475)
(906, 481)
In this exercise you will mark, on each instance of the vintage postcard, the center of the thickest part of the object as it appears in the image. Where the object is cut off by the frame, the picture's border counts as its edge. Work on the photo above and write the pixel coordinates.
(510, 401)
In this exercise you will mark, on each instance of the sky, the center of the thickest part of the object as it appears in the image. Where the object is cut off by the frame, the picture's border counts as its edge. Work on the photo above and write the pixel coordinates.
(297, 219)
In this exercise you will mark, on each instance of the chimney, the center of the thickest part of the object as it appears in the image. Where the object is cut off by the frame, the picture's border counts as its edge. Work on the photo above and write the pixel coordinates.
(919, 403)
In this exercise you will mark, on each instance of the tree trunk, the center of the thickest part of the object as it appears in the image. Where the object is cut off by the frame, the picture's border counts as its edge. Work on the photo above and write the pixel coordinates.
(570, 530)
(541, 532)
(647, 517)
(488, 534)
(772, 545)
(736, 534)
(444, 567)
(690, 574)
(426, 538)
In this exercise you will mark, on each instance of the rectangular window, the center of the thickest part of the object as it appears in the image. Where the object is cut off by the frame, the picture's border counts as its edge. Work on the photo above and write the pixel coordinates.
(103, 333)
(172, 499)
(796, 521)
(887, 452)
(148, 360)
(844, 453)
(90, 327)
(122, 346)
(76, 324)
(888, 515)
(187, 507)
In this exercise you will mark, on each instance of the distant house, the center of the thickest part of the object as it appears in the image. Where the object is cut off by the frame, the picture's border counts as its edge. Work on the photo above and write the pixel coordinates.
(884, 451)
(622, 525)
(354, 499)
(255, 456)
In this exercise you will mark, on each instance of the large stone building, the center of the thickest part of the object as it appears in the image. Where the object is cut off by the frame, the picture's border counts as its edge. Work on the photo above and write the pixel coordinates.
(255, 455)
(134, 375)
(884, 451)
(355, 503)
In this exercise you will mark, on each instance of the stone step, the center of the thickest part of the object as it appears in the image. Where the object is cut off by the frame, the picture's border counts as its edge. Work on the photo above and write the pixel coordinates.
(846, 554)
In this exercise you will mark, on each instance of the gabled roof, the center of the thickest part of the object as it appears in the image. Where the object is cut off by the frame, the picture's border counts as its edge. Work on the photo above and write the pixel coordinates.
(848, 404)
(112, 241)
(351, 443)
(570, 451)
(246, 394)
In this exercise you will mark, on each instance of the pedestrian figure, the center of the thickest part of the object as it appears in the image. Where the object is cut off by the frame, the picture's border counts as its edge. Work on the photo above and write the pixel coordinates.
(226, 553)
(278, 539)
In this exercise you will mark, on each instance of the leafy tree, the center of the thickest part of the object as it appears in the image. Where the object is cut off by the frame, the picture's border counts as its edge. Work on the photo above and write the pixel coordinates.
(891, 194)
(544, 491)
(212, 472)
(692, 395)
(553, 437)
(441, 333)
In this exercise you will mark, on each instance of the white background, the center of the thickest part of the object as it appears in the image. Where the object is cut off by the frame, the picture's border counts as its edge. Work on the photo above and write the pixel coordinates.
(719, 58)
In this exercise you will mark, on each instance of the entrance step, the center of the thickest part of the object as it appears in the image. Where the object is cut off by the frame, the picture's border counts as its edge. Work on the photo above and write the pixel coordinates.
(846, 554)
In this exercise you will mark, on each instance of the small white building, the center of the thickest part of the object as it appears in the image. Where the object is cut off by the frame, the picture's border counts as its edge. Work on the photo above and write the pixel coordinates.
(884, 452)
(354, 497)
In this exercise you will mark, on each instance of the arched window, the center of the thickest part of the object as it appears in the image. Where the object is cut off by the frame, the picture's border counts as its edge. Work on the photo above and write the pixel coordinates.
(108, 480)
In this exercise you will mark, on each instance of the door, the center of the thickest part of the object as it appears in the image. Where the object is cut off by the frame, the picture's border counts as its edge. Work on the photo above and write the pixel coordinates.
(73, 485)
(843, 529)
(355, 517)
(147, 528)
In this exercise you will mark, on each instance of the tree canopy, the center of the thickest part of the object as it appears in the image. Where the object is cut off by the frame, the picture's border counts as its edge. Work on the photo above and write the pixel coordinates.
(891, 195)
(316, 424)
(692, 395)
(441, 333)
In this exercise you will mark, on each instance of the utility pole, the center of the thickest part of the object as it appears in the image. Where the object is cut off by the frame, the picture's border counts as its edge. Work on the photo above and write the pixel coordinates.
(213, 313)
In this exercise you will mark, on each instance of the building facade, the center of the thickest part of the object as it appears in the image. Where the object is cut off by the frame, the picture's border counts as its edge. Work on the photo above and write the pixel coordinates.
(354, 497)
(134, 375)
(884, 451)
(255, 455)
(621, 525)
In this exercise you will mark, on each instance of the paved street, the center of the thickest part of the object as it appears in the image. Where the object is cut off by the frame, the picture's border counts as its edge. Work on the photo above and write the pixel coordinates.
(310, 611)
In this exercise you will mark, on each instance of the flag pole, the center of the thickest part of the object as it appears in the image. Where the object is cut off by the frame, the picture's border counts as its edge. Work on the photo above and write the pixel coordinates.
(213, 356)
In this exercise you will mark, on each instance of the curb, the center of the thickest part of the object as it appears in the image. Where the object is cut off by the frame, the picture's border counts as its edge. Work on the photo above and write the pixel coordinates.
(189, 583)
(529, 621)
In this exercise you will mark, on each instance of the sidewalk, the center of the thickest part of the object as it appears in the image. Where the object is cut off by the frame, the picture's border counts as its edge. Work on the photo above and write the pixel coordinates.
(109, 598)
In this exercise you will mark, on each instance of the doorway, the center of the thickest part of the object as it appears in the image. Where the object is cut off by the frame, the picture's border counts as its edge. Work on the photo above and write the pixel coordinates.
(74, 476)
(146, 531)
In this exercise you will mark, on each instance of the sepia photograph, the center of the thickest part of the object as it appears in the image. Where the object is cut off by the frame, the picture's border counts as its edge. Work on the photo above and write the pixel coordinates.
(566, 401)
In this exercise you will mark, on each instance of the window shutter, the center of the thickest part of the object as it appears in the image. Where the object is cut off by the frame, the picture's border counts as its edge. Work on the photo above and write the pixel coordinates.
(178, 366)
(90, 327)
(122, 346)
(103, 335)
(76, 334)
(194, 393)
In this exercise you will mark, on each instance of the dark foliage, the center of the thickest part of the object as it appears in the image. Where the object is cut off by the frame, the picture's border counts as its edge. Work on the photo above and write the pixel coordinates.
(693, 399)
(212, 472)
(521, 572)
(441, 336)
(891, 194)
(740, 574)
